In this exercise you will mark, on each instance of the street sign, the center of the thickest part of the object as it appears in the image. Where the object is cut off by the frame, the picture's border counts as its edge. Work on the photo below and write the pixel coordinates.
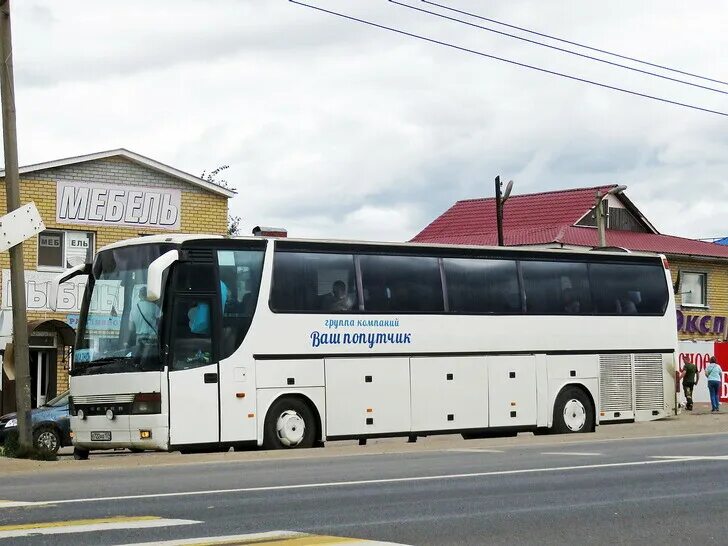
(20, 225)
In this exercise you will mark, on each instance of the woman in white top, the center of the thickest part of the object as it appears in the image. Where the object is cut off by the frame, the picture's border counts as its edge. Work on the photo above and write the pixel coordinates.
(714, 373)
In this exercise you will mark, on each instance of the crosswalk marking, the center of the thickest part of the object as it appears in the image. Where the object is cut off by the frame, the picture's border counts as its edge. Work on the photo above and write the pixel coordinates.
(88, 525)
(270, 538)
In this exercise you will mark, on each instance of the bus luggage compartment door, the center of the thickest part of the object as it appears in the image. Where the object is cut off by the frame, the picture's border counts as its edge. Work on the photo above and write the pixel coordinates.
(512, 390)
(367, 396)
(449, 393)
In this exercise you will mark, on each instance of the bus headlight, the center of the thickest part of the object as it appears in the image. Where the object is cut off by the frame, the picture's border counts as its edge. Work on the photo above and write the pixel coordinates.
(110, 414)
(80, 414)
(146, 403)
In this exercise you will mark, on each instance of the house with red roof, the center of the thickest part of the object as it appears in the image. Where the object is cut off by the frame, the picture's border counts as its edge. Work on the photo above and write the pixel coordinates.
(567, 219)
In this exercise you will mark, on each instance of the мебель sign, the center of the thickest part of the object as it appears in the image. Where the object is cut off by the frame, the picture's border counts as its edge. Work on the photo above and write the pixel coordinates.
(82, 203)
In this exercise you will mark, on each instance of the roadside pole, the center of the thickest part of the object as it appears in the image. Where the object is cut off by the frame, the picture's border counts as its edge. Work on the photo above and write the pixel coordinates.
(12, 190)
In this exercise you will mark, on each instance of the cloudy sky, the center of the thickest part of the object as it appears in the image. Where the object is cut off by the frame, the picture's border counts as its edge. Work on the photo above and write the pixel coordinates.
(335, 129)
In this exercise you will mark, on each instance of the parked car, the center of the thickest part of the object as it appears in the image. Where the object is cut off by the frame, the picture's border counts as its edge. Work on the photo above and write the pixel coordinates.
(51, 425)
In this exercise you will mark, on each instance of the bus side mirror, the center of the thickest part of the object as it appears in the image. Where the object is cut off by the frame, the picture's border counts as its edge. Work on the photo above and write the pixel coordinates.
(83, 269)
(156, 273)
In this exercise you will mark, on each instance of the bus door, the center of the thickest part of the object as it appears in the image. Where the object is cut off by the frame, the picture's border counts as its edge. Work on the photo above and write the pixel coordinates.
(194, 394)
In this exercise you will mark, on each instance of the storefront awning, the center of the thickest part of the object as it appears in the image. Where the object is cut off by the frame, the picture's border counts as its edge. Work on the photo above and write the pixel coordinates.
(64, 331)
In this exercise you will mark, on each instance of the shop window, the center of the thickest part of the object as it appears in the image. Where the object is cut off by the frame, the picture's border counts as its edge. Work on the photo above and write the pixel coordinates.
(694, 289)
(64, 249)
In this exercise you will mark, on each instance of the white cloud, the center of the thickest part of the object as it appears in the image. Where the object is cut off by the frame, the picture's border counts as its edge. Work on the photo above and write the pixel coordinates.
(334, 129)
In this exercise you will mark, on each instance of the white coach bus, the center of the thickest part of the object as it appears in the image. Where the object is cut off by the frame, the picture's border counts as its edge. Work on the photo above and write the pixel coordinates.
(196, 342)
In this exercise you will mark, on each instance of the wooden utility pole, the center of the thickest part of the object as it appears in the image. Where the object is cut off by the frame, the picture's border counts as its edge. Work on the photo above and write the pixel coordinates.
(500, 199)
(17, 273)
(498, 210)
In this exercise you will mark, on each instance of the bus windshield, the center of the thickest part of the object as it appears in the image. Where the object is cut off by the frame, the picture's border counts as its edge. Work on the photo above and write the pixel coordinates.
(118, 326)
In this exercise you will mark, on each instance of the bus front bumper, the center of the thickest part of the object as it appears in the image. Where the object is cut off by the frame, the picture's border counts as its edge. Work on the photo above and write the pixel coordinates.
(148, 432)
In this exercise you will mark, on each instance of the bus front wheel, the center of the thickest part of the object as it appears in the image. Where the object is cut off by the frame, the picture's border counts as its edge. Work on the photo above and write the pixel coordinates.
(573, 412)
(80, 454)
(289, 424)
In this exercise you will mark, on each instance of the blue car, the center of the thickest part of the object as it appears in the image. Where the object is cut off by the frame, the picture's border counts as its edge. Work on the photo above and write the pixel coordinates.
(51, 425)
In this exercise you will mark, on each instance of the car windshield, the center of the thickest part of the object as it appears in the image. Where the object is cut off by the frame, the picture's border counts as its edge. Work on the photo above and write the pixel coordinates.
(58, 401)
(118, 326)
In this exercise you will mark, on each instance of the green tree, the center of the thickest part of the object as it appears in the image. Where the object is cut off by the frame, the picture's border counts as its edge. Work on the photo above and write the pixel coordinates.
(211, 177)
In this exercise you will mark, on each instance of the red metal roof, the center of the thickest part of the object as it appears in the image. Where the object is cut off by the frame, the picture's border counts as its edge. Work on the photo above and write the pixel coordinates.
(549, 218)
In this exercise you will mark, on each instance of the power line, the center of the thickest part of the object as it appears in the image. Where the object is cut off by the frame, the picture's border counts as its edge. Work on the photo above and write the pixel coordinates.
(561, 49)
(551, 37)
(516, 63)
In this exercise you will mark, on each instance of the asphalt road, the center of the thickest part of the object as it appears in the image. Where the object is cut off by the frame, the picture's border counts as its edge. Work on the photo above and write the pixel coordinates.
(646, 491)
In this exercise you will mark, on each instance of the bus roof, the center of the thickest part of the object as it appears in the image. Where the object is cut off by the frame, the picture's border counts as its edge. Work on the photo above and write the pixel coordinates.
(179, 238)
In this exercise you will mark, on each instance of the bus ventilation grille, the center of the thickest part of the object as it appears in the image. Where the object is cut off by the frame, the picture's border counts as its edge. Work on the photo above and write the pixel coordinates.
(103, 399)
(615, 382)
(200, 255)
(648, 379)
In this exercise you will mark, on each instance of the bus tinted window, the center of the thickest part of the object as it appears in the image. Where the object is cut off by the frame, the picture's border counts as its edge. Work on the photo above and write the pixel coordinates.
(482, 286)
(556, 288)
(240, 272)
(394, 284)
(312, 282)
(629, 289)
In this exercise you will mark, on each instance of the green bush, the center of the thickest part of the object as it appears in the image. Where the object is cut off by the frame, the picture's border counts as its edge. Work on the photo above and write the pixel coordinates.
(14, 450)
(12, 445)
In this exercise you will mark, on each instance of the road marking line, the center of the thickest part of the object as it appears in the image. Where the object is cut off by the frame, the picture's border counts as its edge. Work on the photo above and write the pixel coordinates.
(88, 525)
(354, 482)
(251, 538)
(283, 538)
(693, 457)
(12, 504)
(67, 523)
(571, 453)
(474, 450)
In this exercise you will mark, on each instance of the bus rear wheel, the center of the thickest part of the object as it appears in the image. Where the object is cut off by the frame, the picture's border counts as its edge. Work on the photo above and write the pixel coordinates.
(573, 412)
(289, 424)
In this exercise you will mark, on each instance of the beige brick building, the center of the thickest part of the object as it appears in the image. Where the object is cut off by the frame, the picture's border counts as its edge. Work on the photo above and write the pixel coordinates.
(701, 297)
(86, 203)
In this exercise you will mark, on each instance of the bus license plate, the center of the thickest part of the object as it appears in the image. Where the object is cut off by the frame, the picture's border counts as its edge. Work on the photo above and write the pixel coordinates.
(102, 436)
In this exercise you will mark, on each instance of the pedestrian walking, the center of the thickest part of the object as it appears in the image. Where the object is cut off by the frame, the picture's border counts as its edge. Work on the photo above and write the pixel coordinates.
(690, 377)
(714, 374)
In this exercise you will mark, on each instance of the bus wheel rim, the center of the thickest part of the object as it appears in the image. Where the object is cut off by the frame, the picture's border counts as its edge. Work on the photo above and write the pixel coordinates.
(290, 428)
(574, 415)
(47, 440)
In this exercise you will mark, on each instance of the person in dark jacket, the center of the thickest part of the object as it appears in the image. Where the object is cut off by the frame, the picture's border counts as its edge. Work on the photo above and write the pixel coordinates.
(690, 377)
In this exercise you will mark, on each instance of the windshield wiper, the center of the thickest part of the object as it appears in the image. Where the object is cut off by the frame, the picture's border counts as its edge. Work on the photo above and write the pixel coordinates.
(83, 368)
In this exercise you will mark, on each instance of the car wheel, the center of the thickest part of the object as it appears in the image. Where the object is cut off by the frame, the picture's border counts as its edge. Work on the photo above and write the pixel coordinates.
(290, 424)
(47, 440)
(573, 412)
(80, 454)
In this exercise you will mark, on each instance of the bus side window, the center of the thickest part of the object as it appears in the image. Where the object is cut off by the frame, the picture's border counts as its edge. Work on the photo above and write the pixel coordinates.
(240, 273)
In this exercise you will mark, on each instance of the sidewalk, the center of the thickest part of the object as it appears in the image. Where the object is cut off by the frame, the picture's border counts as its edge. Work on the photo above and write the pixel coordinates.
(699, 421)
